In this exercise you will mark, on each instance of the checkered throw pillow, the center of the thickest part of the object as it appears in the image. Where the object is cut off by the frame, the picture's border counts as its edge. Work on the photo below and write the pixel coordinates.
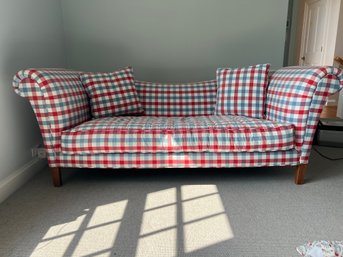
(242, 91)
(112, 94)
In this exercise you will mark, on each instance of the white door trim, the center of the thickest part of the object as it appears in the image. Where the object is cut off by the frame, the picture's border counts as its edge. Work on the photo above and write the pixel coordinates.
(305, 31)
(331, 31)
(331, 25)
(303, 34)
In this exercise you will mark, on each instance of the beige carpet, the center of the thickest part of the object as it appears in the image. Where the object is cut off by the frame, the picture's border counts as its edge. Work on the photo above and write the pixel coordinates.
(226, 212)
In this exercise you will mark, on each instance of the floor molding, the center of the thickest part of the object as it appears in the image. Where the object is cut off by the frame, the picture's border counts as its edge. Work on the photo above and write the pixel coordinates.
(19, 177)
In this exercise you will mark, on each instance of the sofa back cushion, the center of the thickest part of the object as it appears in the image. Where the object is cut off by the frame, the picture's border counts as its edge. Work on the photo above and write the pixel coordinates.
(112, 94)
(186, 99)
(242, 91)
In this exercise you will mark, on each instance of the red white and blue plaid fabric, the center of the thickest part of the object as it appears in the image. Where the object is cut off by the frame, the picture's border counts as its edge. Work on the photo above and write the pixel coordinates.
(58, 99)
(242, 91)
(188, 99)
(297, 95)
(179, 160)
(112, 94)
(60, 103)
(177, 134)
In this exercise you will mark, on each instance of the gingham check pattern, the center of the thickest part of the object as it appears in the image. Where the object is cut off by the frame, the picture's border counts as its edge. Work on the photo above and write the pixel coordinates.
(179, 160)
(58, 100)
(297, 95)
(242, 91)
(60, 103)
(189, 99)
(177, 134)
(112, 94)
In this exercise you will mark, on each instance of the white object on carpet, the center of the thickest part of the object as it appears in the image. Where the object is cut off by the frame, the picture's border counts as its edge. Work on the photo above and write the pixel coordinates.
(321, 249)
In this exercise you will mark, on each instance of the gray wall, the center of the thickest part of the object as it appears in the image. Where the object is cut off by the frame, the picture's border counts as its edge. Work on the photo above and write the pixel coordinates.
(31, 35)
(173, 40)
(296, 23)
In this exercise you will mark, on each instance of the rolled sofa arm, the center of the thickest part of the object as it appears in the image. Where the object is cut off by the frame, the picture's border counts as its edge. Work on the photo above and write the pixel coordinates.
(297, 95)
(58, 100)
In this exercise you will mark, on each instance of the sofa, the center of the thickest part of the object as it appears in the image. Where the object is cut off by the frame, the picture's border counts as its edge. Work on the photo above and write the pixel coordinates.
(178, 125)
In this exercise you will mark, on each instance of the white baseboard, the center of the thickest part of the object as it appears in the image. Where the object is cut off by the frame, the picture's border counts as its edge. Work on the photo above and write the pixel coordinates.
(19, 177)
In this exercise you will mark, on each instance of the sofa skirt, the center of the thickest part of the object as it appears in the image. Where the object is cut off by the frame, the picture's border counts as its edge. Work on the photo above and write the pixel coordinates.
(177, 160)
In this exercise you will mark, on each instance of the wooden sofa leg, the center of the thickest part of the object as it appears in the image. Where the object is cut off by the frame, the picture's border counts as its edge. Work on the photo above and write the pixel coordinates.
(300, 174)
(56, 177)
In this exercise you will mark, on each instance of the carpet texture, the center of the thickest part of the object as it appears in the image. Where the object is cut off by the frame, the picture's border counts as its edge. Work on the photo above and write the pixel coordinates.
(186, 212)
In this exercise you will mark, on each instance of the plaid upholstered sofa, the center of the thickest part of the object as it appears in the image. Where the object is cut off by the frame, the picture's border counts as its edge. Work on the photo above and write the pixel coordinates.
(179, 128)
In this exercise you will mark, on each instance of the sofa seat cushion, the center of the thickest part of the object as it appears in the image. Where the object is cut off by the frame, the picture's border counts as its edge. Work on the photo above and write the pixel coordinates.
(148, 134)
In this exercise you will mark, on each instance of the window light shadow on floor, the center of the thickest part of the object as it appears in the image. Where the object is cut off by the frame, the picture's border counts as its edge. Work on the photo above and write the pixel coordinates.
(174, 221)
(204, 218)
(98, 236)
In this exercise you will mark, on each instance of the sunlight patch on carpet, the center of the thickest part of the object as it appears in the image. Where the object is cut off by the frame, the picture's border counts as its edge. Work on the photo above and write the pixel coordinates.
(80, 238)
(206, 222)
(198, 217)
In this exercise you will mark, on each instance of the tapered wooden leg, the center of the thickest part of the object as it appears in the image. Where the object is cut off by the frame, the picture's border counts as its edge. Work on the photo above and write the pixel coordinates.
(56, 177)
(300, 174)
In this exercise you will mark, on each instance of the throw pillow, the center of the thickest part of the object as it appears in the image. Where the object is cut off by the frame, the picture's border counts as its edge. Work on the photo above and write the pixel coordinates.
(112, 94)
(242, 91)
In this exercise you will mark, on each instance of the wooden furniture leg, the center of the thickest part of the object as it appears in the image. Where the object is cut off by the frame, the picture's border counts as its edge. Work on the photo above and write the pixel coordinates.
(300, 174)
(56, 177)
